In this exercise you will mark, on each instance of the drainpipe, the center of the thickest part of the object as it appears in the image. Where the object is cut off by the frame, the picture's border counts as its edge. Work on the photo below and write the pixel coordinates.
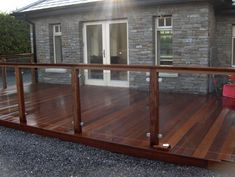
(35, 60)
(34, 40)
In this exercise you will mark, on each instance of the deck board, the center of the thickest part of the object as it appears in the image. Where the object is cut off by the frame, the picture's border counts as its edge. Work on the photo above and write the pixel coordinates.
(207, 141)
(196, 126)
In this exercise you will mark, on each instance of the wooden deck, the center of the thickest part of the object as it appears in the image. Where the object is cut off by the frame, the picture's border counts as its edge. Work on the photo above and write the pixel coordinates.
(198, 127)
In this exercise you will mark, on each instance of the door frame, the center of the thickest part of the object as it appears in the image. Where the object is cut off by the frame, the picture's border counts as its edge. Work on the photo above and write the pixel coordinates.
(106, 59)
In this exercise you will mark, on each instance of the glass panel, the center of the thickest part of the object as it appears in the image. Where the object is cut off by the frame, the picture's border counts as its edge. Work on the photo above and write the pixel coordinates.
(165, 43)
(8, 101)
(168, 22)
(58, 49)
(118, 49)
(57, 82)
(233, 51)
(129, 104)
(94, 50)
(204, 97)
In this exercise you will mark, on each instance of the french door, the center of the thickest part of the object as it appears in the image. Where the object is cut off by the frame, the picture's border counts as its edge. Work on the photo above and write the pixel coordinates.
(106, 43)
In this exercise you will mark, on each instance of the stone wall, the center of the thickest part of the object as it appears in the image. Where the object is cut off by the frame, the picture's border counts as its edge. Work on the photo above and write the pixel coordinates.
(191, 40)
(212, 47)
(224, 40)
(212, 36)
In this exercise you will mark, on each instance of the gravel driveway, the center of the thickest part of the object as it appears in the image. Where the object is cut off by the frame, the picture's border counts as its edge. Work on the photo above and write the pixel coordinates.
(27, 155)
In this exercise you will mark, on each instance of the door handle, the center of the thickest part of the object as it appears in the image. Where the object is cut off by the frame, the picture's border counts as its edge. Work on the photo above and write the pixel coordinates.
(104, 53)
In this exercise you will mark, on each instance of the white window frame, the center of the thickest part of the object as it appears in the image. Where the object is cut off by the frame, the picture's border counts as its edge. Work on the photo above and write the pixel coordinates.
(162, 28)
(233, 43)
(55, 34)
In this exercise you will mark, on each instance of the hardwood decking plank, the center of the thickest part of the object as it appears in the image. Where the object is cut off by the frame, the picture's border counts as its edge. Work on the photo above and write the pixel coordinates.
(228, 146)
(206, 143)
(198, 116)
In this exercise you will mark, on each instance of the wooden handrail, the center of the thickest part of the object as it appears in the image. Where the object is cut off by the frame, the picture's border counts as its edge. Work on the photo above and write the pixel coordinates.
(18, 58)
(164, 69)
(81, 66)
(17, 55)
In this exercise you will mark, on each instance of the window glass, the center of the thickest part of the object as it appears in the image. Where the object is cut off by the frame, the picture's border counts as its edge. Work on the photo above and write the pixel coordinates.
(95, 50)
(165, 47)
(58, 49)
(164, 36)
(168, 22)
(161, 22)
(118, 49)
(57, 44)
(56, 29)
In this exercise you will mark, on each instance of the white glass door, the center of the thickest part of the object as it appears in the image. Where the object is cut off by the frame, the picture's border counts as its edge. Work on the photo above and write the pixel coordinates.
(106, 43)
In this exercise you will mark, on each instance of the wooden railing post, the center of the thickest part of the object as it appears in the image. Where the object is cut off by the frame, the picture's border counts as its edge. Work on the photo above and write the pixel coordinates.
(76, 101)
(154, 112)
(154, 108)
(20, 94)
(4, 75)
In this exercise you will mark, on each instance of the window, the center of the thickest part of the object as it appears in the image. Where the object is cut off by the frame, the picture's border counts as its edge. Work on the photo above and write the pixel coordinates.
(164, 52)
(233, 47)
(57, 44)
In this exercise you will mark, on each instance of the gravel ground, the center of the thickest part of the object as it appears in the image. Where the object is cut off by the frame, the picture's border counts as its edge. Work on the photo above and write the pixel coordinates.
(27, 155)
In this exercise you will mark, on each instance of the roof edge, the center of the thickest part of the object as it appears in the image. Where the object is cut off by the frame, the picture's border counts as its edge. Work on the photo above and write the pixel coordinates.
(28, 6)
(140, 2)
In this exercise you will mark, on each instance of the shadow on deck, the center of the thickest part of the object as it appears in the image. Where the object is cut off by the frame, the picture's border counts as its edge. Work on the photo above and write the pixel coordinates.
(199, 128)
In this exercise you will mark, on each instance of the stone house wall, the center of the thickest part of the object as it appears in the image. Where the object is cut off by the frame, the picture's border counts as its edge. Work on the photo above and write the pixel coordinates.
(224, 26)
(192, 40)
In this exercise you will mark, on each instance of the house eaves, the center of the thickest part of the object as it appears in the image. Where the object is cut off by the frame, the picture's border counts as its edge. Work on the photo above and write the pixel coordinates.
(57, 7)
(45, 5)
(49, 4)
